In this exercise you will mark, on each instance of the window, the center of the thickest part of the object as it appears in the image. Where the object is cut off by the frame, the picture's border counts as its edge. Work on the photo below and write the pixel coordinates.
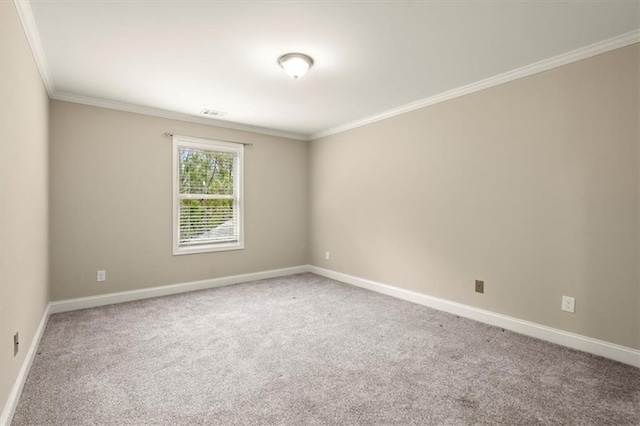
(207, 195)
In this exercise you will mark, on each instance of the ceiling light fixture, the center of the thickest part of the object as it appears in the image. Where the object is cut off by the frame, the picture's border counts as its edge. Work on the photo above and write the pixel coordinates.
(295, 64)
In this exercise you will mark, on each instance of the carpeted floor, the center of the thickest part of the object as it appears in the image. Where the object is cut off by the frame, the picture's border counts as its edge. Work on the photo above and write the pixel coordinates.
(306, 350)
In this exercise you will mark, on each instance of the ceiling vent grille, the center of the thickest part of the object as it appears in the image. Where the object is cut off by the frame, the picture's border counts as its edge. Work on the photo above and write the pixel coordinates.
(213, 113)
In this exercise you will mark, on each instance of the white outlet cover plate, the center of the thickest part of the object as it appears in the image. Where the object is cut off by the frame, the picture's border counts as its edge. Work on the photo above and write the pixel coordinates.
(568, 304)
(101, 276)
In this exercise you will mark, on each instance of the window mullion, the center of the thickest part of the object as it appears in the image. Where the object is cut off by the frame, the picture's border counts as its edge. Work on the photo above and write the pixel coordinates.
(205, 197)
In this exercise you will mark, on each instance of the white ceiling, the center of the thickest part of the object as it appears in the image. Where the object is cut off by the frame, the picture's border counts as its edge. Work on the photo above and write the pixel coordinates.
(370, 57)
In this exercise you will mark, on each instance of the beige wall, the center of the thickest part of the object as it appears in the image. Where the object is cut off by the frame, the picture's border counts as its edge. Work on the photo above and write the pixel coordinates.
(111, 203)
(24, 288)
(531, 185)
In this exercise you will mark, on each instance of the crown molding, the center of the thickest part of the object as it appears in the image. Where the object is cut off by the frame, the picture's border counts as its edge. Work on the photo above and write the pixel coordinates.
(26, 17)
(537, 67)
(155, 112)
(33, 36)
(35, 42)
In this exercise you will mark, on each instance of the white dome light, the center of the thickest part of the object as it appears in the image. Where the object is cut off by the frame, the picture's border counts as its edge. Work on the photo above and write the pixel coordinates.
(295, 64)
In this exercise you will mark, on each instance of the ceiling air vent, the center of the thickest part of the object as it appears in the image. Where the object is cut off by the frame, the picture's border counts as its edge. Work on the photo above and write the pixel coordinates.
(213, 113)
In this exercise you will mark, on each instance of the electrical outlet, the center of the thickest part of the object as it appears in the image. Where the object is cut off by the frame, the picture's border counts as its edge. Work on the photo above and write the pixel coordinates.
(479, 286)
(101, 276)
(16, 342)
(569, 304)
(327, 255)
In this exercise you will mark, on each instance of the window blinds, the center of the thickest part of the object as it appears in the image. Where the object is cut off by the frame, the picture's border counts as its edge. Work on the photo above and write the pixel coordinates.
(208, 196)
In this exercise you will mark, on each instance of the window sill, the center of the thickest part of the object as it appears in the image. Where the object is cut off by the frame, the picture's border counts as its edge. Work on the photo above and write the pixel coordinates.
(207, 249)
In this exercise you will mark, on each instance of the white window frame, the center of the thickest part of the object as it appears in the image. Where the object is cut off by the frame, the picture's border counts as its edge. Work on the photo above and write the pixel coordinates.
(238, 181)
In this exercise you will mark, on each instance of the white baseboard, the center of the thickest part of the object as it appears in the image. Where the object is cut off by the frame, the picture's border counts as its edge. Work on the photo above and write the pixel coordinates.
(587, 344)
(124, 296)
(575, 341)
(146, 293)
(16, 390)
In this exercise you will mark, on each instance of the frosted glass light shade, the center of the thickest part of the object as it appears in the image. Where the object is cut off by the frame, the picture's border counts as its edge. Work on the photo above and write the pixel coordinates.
(295, 64)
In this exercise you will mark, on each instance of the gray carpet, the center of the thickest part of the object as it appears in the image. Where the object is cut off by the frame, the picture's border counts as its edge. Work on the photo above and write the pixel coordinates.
(306, 350)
